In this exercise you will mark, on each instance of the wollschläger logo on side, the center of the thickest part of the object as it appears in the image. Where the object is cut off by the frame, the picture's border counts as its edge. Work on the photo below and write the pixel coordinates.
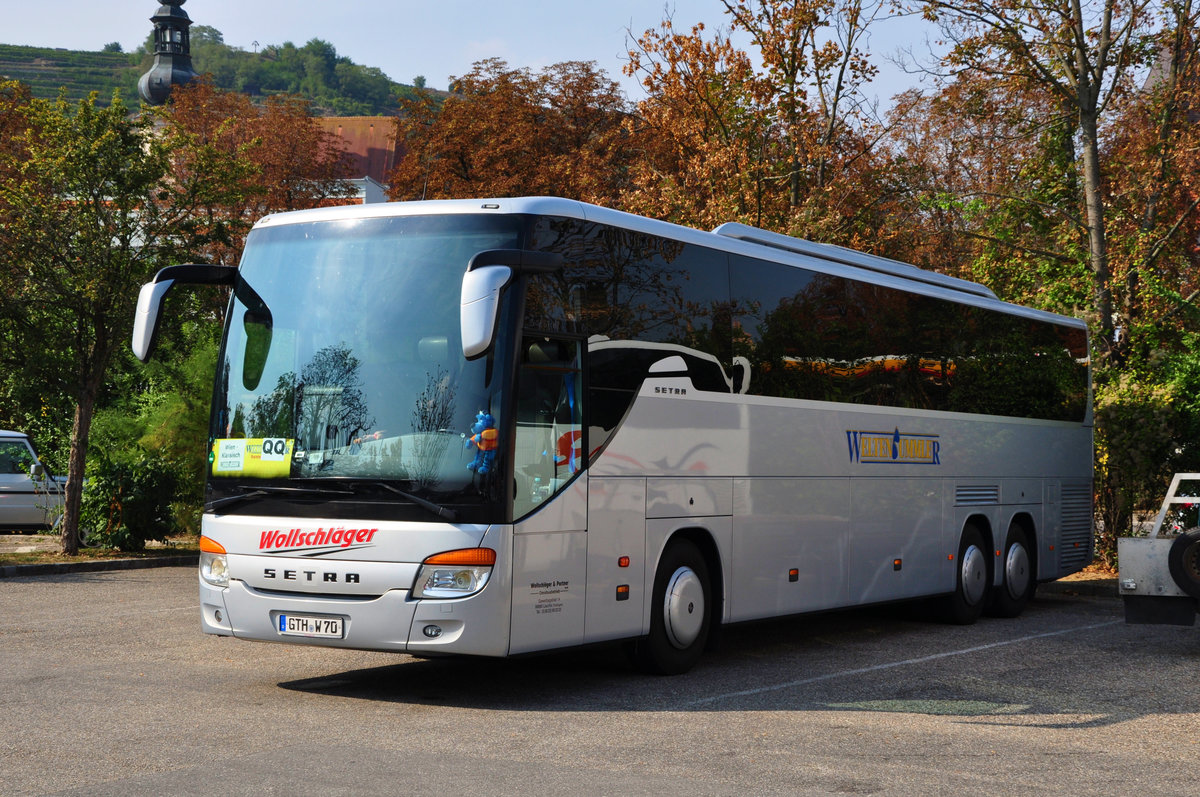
(893, 448)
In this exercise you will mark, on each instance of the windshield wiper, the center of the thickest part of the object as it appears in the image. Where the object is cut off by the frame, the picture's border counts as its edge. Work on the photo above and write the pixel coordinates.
(258, 492)
(324, 492)
(441, 511)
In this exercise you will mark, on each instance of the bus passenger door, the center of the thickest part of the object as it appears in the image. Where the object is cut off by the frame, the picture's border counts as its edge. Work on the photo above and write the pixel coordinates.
(550, 498)
(550, 573)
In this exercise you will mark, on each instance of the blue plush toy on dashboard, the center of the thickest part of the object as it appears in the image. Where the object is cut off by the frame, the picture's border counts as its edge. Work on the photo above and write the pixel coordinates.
(485, 437)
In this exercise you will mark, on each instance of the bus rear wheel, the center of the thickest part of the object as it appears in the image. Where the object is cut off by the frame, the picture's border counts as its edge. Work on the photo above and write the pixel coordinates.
(680, 613)
(965, 604)
(1019, 583)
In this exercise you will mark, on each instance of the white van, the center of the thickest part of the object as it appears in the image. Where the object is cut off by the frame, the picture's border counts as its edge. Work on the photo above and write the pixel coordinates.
(30, 498)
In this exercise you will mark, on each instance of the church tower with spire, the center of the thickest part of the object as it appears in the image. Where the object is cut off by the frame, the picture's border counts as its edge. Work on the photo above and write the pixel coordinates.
(172, 53)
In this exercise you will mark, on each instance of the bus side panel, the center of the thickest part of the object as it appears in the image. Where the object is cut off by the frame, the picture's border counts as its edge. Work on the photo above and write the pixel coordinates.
(1047, 555)
(549, 572)
(617, 528)
(782, 525)
(1075, 539)
(548, 595)
(896, 548)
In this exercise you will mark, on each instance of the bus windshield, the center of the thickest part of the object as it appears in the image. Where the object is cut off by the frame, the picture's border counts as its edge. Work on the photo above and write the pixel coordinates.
(342, 357)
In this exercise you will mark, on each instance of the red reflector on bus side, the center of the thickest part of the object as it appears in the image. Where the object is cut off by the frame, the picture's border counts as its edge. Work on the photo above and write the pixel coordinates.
(464, 557)
(210, 545)
(623, 561)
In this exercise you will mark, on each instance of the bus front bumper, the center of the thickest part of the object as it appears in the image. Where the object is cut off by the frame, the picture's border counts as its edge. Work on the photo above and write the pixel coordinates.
(476, 625)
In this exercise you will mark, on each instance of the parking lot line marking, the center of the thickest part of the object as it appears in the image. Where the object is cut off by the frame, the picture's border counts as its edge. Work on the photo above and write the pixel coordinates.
(891, 664)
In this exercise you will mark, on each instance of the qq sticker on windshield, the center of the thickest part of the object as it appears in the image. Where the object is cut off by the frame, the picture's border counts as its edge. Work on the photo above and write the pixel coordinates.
(264, 457)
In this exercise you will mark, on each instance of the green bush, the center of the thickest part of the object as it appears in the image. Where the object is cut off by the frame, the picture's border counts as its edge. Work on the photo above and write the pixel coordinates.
(1147, 427)
(128, 502)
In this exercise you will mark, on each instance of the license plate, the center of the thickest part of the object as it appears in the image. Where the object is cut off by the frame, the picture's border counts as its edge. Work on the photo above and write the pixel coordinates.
(309, 625)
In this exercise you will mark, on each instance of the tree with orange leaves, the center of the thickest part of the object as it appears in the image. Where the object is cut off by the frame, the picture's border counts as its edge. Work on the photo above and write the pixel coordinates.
(702, 136)
(812, 80)
(990, 190)
(509, 132)
(791, 146)
(242, 161)
(1153, 194)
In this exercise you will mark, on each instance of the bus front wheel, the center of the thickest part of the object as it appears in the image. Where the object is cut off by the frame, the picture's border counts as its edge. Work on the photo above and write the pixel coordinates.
(965, 604)
(679, 616)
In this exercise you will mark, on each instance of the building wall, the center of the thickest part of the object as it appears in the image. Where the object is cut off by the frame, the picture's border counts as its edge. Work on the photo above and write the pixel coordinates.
(370, 143)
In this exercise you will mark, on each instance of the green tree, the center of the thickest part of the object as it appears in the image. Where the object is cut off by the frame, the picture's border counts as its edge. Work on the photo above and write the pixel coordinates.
(1080, 53)
(85, 218)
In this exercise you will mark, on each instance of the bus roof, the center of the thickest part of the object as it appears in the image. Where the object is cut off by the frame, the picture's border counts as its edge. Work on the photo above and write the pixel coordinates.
(850, 257)
(730, 237)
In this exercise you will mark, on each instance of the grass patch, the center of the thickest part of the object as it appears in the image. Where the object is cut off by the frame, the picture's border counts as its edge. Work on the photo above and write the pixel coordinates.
(49, 547)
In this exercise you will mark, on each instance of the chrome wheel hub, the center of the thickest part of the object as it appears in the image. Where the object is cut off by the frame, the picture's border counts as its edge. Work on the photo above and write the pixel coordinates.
(1016, 571)
(683, 608)
(974, 575)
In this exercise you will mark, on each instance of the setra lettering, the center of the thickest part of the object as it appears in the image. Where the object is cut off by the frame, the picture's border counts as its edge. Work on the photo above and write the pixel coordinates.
(313, 575)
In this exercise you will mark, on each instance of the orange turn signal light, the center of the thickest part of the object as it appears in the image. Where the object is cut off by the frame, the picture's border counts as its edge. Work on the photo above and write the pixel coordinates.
(464, 557)
(209, 545)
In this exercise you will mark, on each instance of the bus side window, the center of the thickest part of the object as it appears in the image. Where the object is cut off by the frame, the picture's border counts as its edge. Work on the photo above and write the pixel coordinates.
(549, 438)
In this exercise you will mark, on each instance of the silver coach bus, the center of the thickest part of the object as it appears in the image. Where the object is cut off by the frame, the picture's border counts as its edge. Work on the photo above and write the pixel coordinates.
(492, 427)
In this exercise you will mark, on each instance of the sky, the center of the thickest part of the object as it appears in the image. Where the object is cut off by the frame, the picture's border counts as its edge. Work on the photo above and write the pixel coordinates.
(435, 39)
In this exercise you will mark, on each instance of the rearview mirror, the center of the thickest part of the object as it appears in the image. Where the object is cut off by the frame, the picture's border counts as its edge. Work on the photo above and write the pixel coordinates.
(150, 299)
(487, 274)
(259, 328)
(480, 307)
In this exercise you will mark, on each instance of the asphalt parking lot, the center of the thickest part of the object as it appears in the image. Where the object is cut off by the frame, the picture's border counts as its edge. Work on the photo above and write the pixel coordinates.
(110, 688)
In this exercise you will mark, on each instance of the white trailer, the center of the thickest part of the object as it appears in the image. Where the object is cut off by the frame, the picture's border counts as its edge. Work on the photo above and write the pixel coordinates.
(1160, 574)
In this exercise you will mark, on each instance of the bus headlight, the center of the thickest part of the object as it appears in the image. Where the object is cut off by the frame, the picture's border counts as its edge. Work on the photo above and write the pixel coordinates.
(454, 574)
(214, 563)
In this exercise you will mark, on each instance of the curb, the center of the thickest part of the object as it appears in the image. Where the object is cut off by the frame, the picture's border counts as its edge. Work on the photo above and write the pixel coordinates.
(1094, 588)
(63, 568)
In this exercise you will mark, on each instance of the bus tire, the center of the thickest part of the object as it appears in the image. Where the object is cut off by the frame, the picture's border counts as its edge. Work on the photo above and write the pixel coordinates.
(1018, 578)
(679, 613)
(1183, 560)
(965, 604)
